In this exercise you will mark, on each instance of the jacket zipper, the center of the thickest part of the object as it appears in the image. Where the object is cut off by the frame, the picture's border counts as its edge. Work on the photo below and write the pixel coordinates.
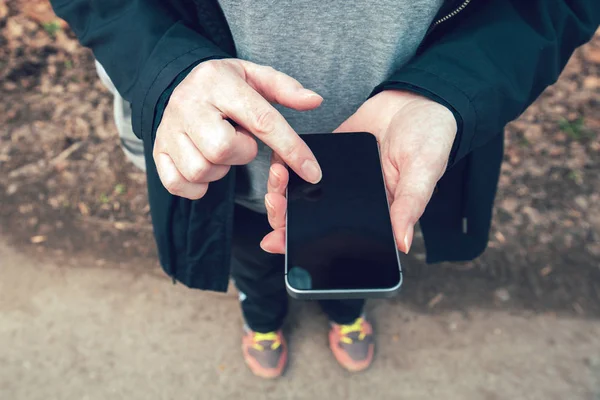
(456, 11)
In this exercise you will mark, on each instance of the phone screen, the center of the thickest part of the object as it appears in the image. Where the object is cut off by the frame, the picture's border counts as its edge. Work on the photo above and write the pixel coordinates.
(339, 232)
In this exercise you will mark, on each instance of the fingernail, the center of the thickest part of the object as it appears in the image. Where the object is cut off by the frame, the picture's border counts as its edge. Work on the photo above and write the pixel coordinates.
(263, 247)
(312, 171)
(273, 179)
(408, 238)
(269, 205)
(309, 93)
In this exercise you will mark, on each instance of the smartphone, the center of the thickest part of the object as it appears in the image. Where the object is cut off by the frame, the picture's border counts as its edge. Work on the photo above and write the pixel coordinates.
(339, 238)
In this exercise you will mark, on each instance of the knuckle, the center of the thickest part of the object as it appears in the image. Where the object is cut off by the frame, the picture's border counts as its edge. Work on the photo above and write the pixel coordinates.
(223, 170)
(207, 68)
(158, 145)
(226, 170)
(159, 133)
(200, 193)
(177, 98)
(203, 191)
(163, 133)
(287, 151)
(234, 65)
(252, 150)
(202, 76)
(218, 151)
(264, 121)
(173, 185)
(198, 173)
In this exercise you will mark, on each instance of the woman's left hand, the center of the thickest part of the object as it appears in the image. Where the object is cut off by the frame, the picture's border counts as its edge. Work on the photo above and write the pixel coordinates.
(415, 135)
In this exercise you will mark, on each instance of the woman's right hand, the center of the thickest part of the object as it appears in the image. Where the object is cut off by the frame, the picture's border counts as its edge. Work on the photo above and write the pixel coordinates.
(195, 143)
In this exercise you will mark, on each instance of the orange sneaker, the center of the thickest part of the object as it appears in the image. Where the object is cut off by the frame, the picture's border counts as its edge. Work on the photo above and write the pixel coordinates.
(353, 345)
(265, 353)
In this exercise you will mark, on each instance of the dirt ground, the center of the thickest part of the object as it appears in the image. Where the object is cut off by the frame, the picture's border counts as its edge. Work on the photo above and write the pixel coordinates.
(66, 189)
(96, 333)
(68, 198)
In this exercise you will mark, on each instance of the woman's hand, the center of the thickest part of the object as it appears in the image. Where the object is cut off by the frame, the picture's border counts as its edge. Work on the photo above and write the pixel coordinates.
(195, 142)
(415, 135)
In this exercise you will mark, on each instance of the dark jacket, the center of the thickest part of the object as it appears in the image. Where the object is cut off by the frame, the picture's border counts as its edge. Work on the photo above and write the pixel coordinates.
(487, 60)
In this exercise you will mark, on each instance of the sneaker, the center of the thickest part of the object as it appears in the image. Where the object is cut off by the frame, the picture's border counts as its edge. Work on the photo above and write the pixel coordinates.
(265, 353)
(352, 345)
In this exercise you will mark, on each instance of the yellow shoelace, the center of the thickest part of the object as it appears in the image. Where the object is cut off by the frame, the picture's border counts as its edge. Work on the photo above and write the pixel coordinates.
(262, 337)
(356, 326)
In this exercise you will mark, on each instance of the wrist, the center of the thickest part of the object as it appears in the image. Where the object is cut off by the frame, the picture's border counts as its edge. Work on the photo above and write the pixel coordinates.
(392, 101)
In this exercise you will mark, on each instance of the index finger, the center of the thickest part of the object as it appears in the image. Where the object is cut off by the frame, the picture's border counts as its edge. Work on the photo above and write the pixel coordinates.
(259, 117)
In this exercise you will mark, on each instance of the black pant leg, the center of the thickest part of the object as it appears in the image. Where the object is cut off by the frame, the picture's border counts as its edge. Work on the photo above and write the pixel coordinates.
(343, 311)
(258, 275)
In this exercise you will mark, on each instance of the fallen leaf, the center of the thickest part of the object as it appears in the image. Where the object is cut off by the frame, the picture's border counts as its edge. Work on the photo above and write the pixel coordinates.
(510, 204)
(581, 202)
(3, 9)
(500, 237)
(534, 215)
(12, 189)
(591, 82)
(557, 151)
(546, 271)
(54, 202)
(533, 133)
(14, 29)
(83, 209)
(38, 239)
(40, 11)
(61, 166)
(545, 238)
(502, 294)
(592, 54)
(435, 300)
(25, 208)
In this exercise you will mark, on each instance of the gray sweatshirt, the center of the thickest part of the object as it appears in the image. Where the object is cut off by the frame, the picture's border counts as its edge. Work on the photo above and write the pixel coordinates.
(341, 49)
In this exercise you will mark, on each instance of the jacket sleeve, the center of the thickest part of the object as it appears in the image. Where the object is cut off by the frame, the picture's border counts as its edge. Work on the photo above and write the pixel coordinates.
(492, 62)
(142, 46)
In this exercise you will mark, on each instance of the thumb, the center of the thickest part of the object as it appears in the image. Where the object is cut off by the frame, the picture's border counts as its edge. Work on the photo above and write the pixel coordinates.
(405, 212)
(277, 87)
(412, 194)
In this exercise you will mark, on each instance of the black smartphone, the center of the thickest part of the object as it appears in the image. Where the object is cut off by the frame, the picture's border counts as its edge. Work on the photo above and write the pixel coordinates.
(339, 237)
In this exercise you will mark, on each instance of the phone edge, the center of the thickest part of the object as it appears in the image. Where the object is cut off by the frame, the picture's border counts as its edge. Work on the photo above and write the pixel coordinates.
(337, 294)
